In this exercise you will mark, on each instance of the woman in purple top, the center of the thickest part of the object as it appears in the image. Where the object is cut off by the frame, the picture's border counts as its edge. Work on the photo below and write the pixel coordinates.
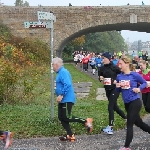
(127, 83)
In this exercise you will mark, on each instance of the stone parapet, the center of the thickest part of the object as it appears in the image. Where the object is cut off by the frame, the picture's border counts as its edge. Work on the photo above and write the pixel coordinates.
(72, 22)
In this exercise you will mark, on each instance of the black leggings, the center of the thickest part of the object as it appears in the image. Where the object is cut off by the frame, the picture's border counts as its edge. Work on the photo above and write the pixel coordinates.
(133, 109)
(64, 115)
(146, 101)
(112, 96)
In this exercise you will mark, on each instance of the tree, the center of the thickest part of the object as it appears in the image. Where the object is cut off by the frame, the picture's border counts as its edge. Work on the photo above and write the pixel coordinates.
(26, 4)
(105, 41)
(19, 3)
(74, 44)
(110, 41)
(78, 42)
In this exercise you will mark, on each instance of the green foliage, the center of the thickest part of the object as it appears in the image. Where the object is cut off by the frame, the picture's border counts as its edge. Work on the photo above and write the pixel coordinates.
(18, 3)
(8, 79)
(68, 50)
(71, 46)
(105, 41)
(17, 57)
(110, 41)
(26, 4)
(36, 50)
(5, 33)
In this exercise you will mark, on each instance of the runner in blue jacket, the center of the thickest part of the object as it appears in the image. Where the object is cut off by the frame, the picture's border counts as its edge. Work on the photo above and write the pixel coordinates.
(66, 99)
(127, 83)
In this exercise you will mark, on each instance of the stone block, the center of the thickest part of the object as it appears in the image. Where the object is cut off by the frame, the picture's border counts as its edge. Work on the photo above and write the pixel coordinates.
(101, 97)
(101, 94)
(82, 95)
(82, 90)
(83, 84)
(100, 91)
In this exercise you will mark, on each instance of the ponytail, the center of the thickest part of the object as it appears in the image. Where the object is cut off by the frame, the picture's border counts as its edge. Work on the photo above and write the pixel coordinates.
(132, 67)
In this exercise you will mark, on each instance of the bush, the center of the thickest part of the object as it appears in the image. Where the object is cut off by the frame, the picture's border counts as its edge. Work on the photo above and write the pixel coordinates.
(8, 79)
(17, 56)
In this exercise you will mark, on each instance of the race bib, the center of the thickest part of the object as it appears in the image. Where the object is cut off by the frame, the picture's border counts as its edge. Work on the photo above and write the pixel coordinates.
(107, 81)
(125, 84)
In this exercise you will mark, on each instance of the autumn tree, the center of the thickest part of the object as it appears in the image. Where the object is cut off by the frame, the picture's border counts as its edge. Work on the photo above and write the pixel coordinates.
(73, 45)
(78, 41)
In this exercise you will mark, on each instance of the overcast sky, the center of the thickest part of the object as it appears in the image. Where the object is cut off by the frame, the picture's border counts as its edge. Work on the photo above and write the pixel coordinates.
(132, 35)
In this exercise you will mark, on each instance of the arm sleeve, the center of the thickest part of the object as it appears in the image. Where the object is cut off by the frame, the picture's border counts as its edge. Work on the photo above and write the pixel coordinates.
(141, 80)
(118, 89)
(66, 81)
(117, 70)
(101, 71)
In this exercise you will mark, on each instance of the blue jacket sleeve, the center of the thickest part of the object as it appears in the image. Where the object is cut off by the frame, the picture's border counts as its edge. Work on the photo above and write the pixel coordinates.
(66, 81)
(141, 80)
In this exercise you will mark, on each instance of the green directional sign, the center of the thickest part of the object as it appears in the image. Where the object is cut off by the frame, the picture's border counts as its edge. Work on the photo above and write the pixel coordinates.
(38, 24)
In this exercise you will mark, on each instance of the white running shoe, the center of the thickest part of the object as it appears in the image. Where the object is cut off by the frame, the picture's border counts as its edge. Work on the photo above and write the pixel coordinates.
(108, 130)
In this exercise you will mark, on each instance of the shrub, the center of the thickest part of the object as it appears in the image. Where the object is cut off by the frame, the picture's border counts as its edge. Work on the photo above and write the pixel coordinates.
(17, 57)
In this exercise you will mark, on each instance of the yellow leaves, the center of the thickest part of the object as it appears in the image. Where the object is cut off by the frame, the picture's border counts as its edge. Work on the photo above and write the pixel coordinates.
(78, 41)
(13, 54)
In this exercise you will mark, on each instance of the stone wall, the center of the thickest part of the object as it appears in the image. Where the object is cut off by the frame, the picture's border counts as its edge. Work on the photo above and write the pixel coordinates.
(72, 22)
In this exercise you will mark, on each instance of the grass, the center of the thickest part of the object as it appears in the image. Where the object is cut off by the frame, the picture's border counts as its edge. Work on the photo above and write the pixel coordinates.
(33, 120)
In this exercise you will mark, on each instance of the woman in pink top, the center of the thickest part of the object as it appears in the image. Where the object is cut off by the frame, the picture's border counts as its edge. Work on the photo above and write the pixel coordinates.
(146, 91)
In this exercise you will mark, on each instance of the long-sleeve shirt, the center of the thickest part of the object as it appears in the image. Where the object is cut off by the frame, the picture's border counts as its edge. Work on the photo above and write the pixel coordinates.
(109, 72)
(147, 78)
(128, 82)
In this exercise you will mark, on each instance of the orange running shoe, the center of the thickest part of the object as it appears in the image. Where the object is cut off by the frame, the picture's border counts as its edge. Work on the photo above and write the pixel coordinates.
(7, 139)
(89, 125)
(67, 138)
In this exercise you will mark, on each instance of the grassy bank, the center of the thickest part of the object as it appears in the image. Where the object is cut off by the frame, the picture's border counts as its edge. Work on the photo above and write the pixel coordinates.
(33, 119)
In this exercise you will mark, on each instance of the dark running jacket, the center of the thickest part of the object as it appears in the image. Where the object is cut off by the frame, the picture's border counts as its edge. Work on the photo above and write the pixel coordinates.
(109, 72)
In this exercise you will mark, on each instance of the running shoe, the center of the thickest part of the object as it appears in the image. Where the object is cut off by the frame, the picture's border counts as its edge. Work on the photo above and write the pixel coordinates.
(7, 139)
(108, 130)
(67, 138)
(89, 125)
(124, 148)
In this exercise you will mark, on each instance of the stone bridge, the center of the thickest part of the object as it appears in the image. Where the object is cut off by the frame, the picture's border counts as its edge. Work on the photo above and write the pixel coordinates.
(73, 21)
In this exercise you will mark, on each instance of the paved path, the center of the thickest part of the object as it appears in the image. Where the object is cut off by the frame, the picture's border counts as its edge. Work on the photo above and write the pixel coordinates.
(88, 72)
(141, 141)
